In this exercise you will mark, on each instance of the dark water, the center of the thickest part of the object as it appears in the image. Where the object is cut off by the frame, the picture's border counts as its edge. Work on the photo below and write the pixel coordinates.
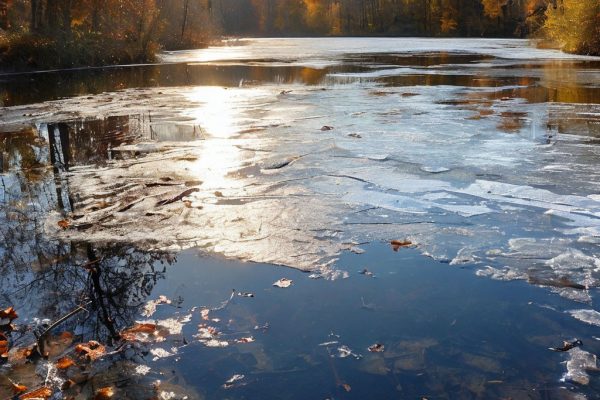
(544, 82)
(447, 333)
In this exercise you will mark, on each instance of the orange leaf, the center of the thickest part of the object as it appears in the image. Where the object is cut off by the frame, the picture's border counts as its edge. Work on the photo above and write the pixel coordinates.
(63, 223)
(92, 349)
(3, 345)
(396, 244)
(18, 389)
(64, 363)
(41, 393)
(134, 332)
(9, 314)
(104, 393)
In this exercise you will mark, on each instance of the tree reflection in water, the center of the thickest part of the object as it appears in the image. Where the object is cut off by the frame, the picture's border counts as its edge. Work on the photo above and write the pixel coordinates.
(45, 280)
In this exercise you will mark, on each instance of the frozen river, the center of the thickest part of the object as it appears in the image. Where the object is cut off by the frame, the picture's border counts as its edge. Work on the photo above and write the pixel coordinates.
(481, 154)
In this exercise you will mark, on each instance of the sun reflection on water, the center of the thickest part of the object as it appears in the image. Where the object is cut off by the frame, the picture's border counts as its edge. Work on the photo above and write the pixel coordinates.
(221, 115)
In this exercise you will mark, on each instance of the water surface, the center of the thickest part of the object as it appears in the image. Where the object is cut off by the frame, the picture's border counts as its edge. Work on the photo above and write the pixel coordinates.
(480, 155)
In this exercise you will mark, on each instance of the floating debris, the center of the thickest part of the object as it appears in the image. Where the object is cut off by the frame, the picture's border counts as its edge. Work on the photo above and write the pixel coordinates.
(331, 343)
(245, 294)
(263, 327)
(397, 244)
(216, 343)
(235, 380)
(150, 307)
(159, 353)
(248, 339)
(283, 283)
(376, 348)
(204, 314)
(567, 345)
(366, 272)
(345, 351)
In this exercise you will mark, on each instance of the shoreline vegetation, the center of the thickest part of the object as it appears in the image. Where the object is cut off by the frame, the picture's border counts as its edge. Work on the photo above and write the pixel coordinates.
(44, 34)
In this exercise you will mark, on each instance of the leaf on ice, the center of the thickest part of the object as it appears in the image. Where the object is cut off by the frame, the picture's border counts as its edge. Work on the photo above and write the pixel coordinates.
(41, 393)
(104, 393)
(63, 224)
(377, 348)
(397, 244)
(92, 350)
(283, 283)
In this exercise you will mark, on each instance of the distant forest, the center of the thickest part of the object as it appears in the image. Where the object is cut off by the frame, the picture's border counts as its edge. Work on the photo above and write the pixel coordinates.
(468, 18)
(57, 33)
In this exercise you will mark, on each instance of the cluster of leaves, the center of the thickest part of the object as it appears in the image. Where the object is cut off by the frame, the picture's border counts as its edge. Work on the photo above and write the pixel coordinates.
(574, 25)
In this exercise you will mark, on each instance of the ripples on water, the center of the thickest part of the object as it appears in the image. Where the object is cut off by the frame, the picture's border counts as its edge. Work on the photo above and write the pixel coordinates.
(482, 155)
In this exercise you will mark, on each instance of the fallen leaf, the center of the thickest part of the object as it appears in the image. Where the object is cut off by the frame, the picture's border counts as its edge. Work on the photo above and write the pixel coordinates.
(397, 244)
(17, 356)
(218, 194)
(104, 393)
(63, 224)
(7, 315)
(377, 348)
(567, 345)
(283, 283)
(327, 128)
(187, 204)
(139, 332)
(18, 389)
(92, 350)
(64, 363)
(3, 345)
(41, 393)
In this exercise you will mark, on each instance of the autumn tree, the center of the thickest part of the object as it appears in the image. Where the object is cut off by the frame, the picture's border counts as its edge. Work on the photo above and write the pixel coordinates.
(575, 25)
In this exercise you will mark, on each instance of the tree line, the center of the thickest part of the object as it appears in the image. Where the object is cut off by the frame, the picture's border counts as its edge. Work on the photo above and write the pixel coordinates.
(108, 31)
